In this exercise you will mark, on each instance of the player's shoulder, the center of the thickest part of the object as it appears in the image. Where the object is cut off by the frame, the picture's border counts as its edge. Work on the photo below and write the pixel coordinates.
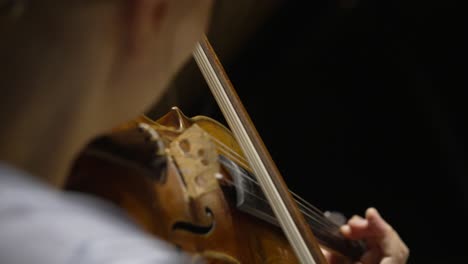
(52, 226)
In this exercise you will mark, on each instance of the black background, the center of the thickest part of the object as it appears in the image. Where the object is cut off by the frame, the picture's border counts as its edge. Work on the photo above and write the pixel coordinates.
(363, 104)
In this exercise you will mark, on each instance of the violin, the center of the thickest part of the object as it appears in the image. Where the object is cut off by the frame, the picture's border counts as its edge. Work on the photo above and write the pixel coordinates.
(212, 191)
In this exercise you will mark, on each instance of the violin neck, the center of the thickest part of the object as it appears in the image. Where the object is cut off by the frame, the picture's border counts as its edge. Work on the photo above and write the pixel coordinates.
(252, 200)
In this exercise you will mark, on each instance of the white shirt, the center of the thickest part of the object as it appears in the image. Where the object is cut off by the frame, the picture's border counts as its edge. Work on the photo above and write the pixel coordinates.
(40, 225)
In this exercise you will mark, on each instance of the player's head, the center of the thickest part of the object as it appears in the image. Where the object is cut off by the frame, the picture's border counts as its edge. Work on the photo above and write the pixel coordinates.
(106, 60)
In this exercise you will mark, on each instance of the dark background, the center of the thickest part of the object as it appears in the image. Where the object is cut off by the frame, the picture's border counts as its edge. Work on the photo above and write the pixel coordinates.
(361, 103)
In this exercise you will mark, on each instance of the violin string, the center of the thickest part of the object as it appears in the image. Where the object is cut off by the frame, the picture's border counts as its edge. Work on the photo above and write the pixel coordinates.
(300, 201)
(242, 159)
(306, 205)
(318, 225)
(313, 215)
(316, 221)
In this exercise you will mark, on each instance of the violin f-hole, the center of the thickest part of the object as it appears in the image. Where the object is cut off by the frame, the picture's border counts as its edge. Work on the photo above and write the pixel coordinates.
(194, 228)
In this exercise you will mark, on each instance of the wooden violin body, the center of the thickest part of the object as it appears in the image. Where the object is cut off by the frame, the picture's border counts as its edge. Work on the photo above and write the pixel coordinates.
(185, 180)
(172, 184)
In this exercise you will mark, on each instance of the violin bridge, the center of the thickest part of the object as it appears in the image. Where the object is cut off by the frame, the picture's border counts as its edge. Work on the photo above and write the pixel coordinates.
(197, 159)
